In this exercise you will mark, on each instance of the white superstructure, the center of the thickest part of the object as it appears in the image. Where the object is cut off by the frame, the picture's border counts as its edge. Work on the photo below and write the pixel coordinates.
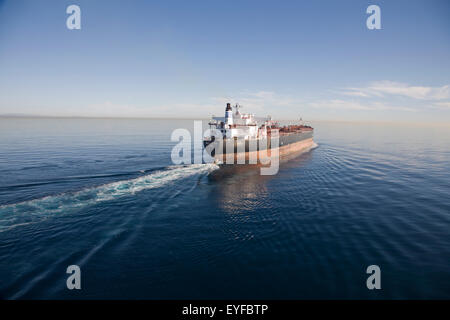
(240, 125)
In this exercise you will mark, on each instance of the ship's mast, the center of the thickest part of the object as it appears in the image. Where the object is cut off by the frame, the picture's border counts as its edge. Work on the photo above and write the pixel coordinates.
(237, 107)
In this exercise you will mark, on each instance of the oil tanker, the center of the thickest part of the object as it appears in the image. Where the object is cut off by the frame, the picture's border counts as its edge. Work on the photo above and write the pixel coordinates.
(242, 138)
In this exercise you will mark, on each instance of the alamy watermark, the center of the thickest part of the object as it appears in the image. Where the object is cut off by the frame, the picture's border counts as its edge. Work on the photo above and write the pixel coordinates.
(373, 22)
(212, 146)
(74, 20)
(74, 280)
(374, 280)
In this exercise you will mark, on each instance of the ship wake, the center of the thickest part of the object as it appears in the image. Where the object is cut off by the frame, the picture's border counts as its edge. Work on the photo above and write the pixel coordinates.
(22, 213)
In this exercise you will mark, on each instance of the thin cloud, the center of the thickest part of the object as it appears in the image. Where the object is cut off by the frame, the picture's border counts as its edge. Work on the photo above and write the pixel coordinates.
(260, 101)
(390, 88)
(443, 105)
(338, 104)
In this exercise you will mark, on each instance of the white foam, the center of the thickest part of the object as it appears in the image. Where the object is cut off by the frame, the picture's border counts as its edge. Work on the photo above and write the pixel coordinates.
(10, 214)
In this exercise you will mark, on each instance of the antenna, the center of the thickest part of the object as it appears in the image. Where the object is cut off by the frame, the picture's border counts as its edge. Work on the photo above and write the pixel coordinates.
(237, 107)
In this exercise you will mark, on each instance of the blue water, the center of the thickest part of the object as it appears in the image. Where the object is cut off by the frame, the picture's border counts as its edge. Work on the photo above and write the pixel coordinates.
(104, 195)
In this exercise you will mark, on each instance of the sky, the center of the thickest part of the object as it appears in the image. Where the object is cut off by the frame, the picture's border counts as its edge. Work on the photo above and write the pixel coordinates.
(186, 59)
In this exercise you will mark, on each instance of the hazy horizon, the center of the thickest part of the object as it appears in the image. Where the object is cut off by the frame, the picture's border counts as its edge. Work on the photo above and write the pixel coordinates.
(307, 121)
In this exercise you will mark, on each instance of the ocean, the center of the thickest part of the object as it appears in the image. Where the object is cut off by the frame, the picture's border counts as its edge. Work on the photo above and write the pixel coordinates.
(104, 194)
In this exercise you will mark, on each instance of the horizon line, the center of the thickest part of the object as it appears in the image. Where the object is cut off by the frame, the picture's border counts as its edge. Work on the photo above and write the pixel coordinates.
(31, 116)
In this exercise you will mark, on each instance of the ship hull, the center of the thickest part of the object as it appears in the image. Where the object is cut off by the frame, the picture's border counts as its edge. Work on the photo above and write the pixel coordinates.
(259, 151)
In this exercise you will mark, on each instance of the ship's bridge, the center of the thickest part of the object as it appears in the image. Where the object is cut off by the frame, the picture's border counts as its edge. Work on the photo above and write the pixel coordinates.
(240, 125)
